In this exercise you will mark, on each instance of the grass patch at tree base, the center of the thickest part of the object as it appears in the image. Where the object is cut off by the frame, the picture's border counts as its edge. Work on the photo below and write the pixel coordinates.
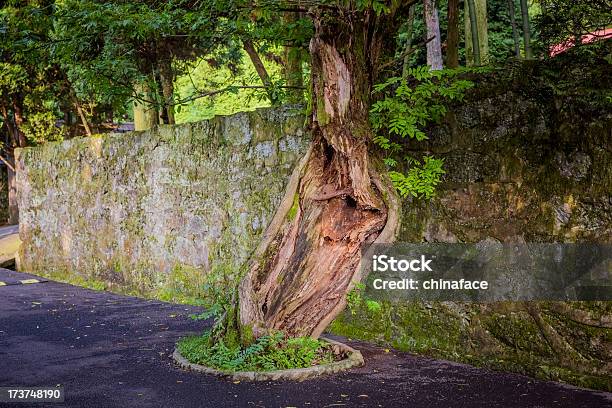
(267, 353)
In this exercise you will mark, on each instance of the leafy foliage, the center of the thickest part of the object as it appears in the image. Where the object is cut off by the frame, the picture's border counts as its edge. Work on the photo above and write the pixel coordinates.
(421, 178)
(406, 107)
(272, 352)
(355, 300)
(40, 127)
(31, 89)
(217, 290)
(565, 20)
(354, 297)
(106, 47)
(203, 76)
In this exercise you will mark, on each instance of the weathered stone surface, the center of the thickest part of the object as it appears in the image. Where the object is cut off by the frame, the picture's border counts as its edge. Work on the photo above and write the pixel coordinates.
(523, 165)
(154, 212)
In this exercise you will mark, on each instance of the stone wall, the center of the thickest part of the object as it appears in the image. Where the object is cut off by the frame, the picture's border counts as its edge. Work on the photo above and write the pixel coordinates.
(152, 212)
(526, 161)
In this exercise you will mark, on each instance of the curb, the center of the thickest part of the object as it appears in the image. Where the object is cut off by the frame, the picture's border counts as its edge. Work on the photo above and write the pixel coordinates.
(23, 282)
(354, 359)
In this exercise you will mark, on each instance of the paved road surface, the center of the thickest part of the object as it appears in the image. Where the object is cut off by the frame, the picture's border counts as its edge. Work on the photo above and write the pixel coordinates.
(9, 244)
(113, 351)
(9, 230)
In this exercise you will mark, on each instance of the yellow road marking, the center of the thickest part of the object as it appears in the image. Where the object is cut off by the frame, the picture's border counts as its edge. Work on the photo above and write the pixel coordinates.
(26, 281)
(2, 284)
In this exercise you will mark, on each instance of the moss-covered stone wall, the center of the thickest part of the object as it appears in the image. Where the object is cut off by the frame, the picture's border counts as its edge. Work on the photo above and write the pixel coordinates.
(154, 212)
(528, 157)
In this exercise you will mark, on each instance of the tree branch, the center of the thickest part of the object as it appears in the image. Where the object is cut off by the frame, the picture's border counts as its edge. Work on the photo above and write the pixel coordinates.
(405, 53)
(226, 89)
(9, 165)
(259, 67)
(82, 116)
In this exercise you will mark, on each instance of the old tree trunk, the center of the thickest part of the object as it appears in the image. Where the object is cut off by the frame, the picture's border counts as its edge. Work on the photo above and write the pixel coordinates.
(337, 202)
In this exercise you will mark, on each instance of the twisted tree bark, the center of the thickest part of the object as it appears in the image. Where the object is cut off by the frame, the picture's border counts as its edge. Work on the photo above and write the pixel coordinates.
(337, 202)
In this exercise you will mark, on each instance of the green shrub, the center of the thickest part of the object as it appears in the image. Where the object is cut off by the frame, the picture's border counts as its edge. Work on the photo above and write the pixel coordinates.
(405, 106)
(273, 352)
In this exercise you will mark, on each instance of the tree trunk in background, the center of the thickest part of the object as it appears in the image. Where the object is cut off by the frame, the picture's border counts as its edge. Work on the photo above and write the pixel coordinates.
(18, 140)
(293, 67)
(476, 50)
(145, 116)
(335, 204)
(408, 48)
(10, 125)
(19, 119)
(260, 68)
(79, 110)
(526, 30)
(13, 139)
(166, 76)
(13, 207)
(434, 47)
(452, 37)
(515, 37)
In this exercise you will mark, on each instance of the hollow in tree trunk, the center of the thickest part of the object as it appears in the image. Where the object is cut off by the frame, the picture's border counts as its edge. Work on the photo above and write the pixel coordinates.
(337, 202)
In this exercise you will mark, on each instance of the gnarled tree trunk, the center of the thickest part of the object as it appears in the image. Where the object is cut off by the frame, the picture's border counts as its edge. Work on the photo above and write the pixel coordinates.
(336, 203)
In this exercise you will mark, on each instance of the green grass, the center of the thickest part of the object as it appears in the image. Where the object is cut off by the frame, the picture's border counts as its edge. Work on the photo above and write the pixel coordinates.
(274, 352)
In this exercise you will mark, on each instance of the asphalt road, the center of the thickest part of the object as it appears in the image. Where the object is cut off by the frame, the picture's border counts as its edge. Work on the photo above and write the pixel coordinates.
(9, 244)
(8, 230)
(114, 351)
